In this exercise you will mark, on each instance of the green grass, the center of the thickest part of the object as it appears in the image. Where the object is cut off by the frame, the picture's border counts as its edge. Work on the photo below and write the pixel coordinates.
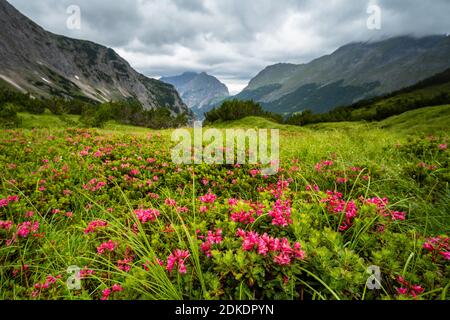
(421, 121)
(47, 120)
(336, 260)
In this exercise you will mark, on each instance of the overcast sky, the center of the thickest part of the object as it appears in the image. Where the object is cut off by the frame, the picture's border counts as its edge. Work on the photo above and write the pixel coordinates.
(232, 39)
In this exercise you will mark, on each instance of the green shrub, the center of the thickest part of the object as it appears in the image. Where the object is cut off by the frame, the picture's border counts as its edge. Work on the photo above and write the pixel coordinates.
(8, 116)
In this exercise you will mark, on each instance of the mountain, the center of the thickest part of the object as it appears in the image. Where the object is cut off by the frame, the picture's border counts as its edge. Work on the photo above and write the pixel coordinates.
(353, 72)
(200, 91)
(45, 64)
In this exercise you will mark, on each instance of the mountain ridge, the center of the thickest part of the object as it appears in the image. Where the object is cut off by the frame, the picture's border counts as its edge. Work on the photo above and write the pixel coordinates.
(351, 73)
(200, 91)
(46, 64)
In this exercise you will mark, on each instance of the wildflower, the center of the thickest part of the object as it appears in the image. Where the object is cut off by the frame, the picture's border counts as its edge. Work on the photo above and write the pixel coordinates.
(6, 225)
(208, 198)
(281, 249)
(27, 227)
(211, 238)
(109, 246)
(105, 294)
(408, 288)
(254, 172)
(281, 213)
(170, 202)
(243, 217)
(3, 203)
(178, 258)
(85, 272)
(125, 264)
(145, 215)
(94, 225)
(443, 146)
(438, 246)
(117, 287)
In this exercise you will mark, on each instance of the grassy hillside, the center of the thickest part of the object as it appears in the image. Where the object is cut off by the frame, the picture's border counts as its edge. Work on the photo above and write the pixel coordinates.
(422, 121)
(433, 91)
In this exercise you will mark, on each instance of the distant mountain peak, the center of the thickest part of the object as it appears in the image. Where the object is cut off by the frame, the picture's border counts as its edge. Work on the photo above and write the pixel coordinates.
(199, 91)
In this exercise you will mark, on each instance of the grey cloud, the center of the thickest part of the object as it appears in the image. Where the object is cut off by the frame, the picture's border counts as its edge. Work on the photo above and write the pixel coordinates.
(233, 39)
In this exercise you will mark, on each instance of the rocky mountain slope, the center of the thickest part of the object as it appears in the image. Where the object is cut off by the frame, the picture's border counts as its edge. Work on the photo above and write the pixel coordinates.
(199, 91)
(351, 73)
(44, 64)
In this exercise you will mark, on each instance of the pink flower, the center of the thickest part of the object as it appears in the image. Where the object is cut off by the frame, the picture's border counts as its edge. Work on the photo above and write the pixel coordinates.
(105, 294)
(94, 225)
(27, 227)
(254, 172)
(443, 146)
(170, 202)
(106, 246)
(178, 257)
(438, 246)
(3, 203)
(211, 239)
(145, 215)
(282, 251)
(281, 213)
(203, 209)
(134, 172)
(208, 198)
(232, 202)
(282, 259)
(445, 254)
(117, 288)
(125, 264)
(5, 225)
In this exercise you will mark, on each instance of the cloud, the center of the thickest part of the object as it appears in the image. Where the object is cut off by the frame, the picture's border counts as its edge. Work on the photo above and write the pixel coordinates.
(233, 39)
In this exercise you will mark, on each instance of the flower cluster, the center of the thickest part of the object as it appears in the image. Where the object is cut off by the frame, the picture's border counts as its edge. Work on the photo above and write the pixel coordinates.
(439, 245)
(27, 227)
(407, 288)
(323, 164)
(177, 258)
(208, 198)
(145, 215)
(6, 201)
(281, 213)
(281, 249)
(107, 292)
(94, 185)
(335, 204)
(6, 225)
(109, 246)
(211, 238)
(246, 212)
(381, 205)
(49, 281)
(94, 225)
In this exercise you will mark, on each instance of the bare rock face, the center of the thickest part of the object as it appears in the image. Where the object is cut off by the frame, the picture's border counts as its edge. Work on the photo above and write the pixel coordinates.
(44, 64)
(200, 91)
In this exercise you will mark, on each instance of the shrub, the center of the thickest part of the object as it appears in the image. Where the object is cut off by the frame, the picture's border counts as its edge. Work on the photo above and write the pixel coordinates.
(237, 109)
(8, 116)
